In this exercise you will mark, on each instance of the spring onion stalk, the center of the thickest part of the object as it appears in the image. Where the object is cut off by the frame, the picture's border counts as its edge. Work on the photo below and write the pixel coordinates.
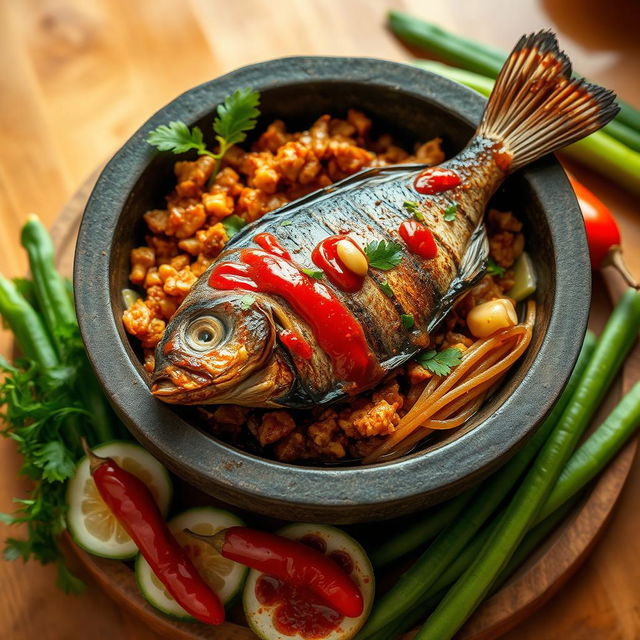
(466, 594)
(488, 61)
(420, 533)
(599, 151)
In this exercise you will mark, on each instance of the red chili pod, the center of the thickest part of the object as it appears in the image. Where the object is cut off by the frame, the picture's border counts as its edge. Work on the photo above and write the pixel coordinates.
(291, 562)
(133, 505)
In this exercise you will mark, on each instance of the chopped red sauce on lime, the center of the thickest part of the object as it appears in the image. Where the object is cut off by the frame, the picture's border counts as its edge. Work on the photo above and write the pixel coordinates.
(418, 238)
(338, 333)
(314, 541)
(435, 180)
(325, 256)
(296, 344)
(297, 609)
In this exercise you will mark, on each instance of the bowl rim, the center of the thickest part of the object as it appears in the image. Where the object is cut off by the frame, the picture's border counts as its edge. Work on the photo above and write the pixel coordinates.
(239, 477)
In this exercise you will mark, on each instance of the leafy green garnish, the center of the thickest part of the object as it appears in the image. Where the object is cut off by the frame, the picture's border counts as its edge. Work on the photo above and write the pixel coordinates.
(285, 223)
(232, 224)
(235, 116)
(313, 273)
(246, 302)
(407, 320)
(412, 207)
(386, 288)
(451, 212)
(440, 362)
(383, 255)
(178, 138)
(494, 269)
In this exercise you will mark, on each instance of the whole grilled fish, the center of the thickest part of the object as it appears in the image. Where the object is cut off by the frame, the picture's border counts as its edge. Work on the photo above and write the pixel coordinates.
(259, 329)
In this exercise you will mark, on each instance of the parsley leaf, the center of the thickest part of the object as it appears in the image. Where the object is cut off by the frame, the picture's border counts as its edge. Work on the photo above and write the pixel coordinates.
(177, 137)
(232, 224)
(246, 302)
(386, 288)
(440, 362)
(407, 320)
(383, 255)
(451, 212)
(236, 115)
(494, 269)
(412, 207)
(286, 223)
(313, 273)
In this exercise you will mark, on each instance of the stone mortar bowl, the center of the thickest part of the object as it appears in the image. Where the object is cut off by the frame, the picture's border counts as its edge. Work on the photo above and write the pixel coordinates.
(414, 105)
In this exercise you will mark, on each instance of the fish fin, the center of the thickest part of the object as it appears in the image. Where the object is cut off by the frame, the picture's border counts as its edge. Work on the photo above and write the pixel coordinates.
(472, 269)
(536, 107)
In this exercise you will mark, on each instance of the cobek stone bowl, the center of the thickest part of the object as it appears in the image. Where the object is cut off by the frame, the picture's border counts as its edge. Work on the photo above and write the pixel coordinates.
(414, 105)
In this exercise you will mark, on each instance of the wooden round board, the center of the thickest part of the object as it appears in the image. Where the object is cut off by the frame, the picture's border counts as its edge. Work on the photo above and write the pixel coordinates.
(542, 576)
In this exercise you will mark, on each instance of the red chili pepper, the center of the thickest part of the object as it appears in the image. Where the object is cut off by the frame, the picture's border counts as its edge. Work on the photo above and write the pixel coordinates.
(419, 239)
(291, 562)
(435, 180)
(132, 504)
(603, 234)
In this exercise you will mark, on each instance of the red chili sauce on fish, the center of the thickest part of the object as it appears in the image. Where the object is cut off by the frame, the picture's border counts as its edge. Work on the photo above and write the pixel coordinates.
(325, 256)
(296, 344)
(270, 244)
(435, 180)
(298, 610)
(418, 238)
(338, 333)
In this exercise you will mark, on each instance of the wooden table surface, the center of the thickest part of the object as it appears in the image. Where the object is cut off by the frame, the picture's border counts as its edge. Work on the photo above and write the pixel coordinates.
(79, 76)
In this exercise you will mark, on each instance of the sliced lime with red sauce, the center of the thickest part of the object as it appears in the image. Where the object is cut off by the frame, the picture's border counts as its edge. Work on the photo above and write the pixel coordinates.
(276, 610)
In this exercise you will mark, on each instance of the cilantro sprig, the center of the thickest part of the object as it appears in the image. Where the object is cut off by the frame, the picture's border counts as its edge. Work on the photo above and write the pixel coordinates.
(232, 224)
(440, 363)
(413, 208)
(235, 116)
(313, 273)
(383, 255)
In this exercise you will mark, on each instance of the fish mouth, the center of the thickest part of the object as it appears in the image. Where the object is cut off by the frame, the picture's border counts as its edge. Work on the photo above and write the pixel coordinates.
(260, 389)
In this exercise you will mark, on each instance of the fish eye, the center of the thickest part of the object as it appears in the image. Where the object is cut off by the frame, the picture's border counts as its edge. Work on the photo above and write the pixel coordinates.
(204, 332)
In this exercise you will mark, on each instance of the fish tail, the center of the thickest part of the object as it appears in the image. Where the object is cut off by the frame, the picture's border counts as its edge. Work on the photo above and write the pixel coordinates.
(536, 107)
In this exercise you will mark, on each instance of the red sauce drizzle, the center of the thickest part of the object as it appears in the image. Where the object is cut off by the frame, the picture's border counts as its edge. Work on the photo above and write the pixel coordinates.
(343, 560)
(325, 256)
(418, 238)
(297, 609)
(296, 344)
(315, 542)
(435, 180)
(338, 333)
(271, 245)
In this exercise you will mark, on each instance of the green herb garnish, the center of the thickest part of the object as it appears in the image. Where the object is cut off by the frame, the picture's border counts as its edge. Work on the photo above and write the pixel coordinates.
(451, 212)
(412, 207)
(236, 115)
(494, 269)
(246, 302)
(386, 288)
(407, 320)
(286, 223)
(383, 255)
(232, 224)
(313, 273)
(440, 363)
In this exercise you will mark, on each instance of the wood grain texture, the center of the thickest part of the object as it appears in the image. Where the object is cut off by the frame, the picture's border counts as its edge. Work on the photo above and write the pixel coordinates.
(78, 77)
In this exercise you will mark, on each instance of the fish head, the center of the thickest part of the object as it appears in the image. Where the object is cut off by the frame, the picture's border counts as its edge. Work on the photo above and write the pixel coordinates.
(219, 348)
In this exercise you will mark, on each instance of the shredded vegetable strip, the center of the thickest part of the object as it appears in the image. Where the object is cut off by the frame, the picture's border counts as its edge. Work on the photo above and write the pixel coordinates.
(482, 365)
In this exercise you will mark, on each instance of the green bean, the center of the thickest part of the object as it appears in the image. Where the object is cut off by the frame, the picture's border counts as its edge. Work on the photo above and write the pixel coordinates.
(53, 299)
(488, 61)
(27, 326)
(425, 529)
(597, 451)
(461, 600)
(447, 557)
